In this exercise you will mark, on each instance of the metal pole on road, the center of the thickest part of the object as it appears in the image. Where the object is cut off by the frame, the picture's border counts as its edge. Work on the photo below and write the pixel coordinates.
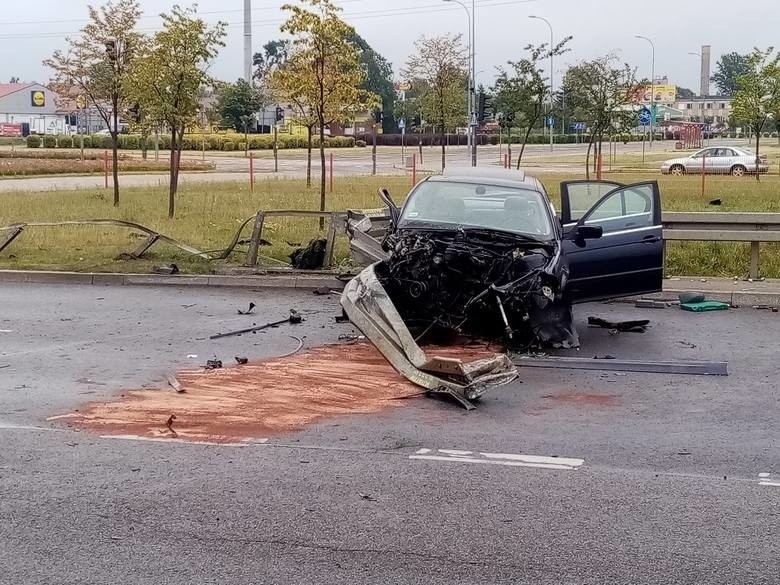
(550, 127)
(652, 89)
(471, 134)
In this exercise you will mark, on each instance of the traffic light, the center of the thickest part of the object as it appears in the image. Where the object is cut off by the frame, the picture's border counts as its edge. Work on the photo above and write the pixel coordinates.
(279, 114)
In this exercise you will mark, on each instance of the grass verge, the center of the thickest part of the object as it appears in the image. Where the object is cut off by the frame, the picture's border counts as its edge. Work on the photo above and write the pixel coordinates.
(209, 215)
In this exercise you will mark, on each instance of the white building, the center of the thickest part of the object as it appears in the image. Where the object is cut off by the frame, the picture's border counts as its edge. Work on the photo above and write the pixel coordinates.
(33, 104)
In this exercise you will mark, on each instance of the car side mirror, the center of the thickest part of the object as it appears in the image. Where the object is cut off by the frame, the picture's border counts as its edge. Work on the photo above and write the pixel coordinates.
(587, 232)
(395, 212)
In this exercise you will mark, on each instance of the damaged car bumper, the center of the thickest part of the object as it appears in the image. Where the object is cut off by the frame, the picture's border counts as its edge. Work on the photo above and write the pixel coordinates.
(371, 310)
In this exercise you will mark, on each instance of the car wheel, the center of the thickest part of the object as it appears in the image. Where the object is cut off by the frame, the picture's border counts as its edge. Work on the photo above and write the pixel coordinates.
(677, 170)
(738, 170)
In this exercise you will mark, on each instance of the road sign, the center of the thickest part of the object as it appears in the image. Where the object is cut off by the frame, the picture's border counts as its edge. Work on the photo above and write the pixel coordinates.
(645, 116)
(401, 123)
(578, 126)
(550, 121)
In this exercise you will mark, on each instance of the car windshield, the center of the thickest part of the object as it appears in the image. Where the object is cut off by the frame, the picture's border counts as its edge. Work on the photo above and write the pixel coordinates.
(475, 204)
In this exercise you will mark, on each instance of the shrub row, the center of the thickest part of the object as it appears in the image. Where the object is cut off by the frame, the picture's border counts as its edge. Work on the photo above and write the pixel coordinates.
(225, 142)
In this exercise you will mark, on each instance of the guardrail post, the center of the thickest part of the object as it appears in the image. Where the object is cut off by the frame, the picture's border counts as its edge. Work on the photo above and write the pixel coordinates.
(330, 240)
(254, 243)
(754, 252)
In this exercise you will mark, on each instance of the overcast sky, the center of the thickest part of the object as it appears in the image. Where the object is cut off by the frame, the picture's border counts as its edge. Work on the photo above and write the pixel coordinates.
(31, 31)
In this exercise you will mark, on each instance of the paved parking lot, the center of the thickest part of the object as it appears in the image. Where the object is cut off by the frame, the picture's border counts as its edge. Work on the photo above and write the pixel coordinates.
(561, 477)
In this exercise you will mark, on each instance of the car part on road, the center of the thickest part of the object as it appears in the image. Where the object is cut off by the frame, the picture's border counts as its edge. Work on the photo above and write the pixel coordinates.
(169, 425)
(294, 319)
(705, 306)
(213, 364)
(650, 304)
(691, 297)
(174, 383)
(618, 365)
(166, 269)
(639, 326)
(371, 310)
(248, 311)
(242, 361)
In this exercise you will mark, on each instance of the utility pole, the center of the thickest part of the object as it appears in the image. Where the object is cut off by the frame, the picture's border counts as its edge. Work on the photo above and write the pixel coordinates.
(471, 132)
(550, 127)
(248, 41)
(652, 89)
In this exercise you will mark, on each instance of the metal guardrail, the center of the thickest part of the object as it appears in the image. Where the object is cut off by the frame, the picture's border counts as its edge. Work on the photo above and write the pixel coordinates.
(724, 227)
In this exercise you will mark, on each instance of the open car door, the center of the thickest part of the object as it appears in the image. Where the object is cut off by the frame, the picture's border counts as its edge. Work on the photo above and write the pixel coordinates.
(628, 257)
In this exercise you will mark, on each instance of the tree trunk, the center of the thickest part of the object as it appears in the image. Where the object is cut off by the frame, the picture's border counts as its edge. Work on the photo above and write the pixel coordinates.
(587, 158)
(758, 138)
(308, 156)
(115, 153)
(522, 146)
(443, 138)
(174, 175)
(144, 144)
(322, 172)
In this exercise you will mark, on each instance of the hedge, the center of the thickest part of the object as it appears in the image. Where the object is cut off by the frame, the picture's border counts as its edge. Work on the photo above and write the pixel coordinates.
(49, 141)
(33, 141)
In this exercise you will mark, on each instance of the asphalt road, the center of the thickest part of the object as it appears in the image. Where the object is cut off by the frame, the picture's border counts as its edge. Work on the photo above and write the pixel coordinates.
(347, 162)
(668, 489)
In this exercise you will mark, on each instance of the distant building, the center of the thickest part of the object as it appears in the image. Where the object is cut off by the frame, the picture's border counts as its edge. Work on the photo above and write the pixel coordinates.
(33, 104)
(712, 109)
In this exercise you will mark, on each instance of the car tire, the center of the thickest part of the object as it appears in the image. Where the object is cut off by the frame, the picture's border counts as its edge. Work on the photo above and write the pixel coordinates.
(677, 170)
(738, 171)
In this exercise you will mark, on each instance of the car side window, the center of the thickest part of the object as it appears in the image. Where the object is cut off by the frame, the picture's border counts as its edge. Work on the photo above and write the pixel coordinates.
(729, 152)
(629, 208)
(583, 196)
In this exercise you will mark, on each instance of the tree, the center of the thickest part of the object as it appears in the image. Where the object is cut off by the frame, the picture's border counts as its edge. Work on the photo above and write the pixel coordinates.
(237, 102)
(727, 70)
(167, 78)
(275, 54)
(757, 100)
(378, 81)
(438, 71)
(603, 93)
(684, 93)
(97, 63)
(522, 94)
(330, 87)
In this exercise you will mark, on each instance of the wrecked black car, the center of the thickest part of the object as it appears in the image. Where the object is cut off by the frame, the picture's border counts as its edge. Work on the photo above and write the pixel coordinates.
(482, 252)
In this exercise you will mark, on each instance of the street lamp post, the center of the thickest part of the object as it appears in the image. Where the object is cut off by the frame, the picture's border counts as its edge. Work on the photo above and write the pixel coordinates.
(652, 88)
(471, 134)
(550, 128)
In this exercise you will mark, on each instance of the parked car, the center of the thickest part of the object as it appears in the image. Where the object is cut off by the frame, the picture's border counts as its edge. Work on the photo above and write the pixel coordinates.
(717, 160)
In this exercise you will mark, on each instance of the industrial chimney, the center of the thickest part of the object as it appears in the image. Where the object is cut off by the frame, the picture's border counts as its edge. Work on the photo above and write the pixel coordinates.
(248, 41)
(705, 71)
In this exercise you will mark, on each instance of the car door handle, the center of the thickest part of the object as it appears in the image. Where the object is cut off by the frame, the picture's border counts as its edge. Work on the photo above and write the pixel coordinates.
(651, 239)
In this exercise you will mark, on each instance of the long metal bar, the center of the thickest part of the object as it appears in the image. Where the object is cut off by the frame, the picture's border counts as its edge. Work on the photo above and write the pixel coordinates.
(653, 367)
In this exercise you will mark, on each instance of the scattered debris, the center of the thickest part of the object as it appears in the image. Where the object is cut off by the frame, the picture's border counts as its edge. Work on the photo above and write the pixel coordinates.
(655, 367)
(310, 257)
(766, 308)
(296, 350)
(166, 269)
(639, 326)
(248, 311)
(174, 383)
(294, 319)
(192, 356)
(687, 344)
(190, 306)
(691, 297)
(213, 364)
(367, 497)
(650, 304)
(715, 202)
(242, 361)
(5, 366)
(683, 452)
(322, 291)
(705, 306)
(343, 318)
(169, 425)
(604, 357)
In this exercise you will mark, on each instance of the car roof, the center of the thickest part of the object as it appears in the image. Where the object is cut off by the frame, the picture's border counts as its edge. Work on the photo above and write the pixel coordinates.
(499, 177)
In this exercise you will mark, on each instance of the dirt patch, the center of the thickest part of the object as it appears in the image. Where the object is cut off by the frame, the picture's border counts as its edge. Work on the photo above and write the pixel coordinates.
(586, 399)
(262, 399)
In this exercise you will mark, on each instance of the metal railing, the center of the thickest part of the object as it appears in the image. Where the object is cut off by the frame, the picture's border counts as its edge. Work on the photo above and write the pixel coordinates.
(708, 226)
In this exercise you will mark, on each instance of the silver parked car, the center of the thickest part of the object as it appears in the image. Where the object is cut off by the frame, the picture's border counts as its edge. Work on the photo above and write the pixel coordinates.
(717, 160)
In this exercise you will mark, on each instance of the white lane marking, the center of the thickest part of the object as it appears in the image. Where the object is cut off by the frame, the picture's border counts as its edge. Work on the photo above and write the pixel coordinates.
(769, 483)
(568, 462)
(245, 443)
(506, 459)
(763, 474)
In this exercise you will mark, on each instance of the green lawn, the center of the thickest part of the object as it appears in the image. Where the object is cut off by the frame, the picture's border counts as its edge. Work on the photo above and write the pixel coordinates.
(209, 215)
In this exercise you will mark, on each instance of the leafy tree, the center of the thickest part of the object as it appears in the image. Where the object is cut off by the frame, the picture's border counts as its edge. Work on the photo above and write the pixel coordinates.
(97, 63)
(330, 87)
(275, 54)
(438, 71)
(167, 78)
(727, 70)
(602, 91)
(237, 102)
(684, 93)
(757, 100)
(378, 81)
(522, 94)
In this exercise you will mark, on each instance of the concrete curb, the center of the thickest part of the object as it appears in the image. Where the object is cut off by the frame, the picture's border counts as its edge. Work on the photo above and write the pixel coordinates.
(271, 280)
(736, 292)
